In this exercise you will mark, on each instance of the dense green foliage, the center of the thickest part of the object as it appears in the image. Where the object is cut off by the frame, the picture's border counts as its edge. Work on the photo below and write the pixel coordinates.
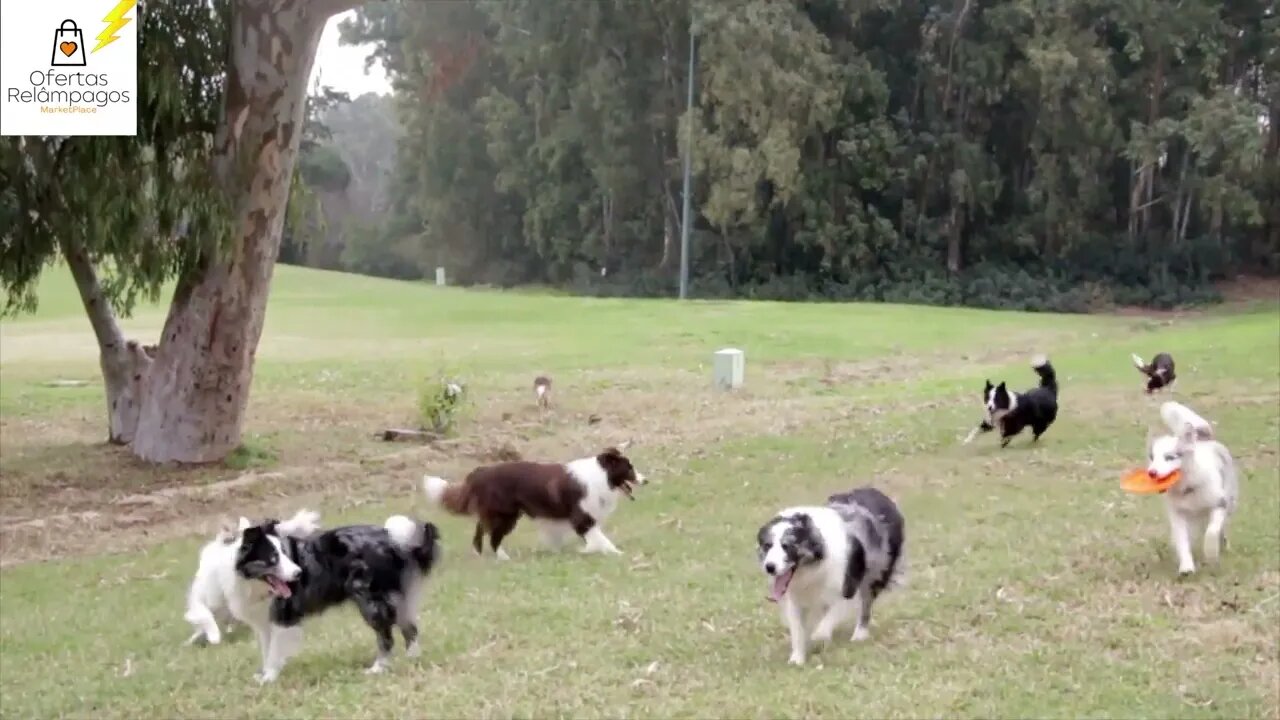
(1016, 153)
(133, 205)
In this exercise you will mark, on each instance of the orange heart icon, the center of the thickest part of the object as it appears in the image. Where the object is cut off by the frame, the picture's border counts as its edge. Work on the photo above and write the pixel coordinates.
(67, 48)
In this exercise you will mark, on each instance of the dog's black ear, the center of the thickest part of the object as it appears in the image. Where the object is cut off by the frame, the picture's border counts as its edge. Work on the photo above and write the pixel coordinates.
(430, 534)
(610, 458)
(1000, 387)
(989, 386)
(251, 535)
(808, 538)
(762, 534)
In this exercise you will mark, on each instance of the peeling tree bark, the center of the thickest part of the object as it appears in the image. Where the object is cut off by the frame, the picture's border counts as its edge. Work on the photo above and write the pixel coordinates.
(197, 390)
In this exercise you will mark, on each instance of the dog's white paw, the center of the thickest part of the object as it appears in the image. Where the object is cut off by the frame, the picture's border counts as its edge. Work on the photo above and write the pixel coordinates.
(861, 633)
(502, 554)
(1186, 570)
(414, 650)
(796, 659)
(377, 668)
(594, 549)
(266, 676)
(820, 636)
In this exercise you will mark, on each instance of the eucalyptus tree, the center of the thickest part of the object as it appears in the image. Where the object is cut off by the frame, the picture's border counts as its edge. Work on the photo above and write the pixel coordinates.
(198, 198)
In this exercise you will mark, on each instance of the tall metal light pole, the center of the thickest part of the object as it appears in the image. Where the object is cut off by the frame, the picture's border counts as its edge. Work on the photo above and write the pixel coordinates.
(688, 168)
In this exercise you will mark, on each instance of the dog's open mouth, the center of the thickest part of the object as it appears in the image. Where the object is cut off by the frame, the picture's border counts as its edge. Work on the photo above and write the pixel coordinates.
(780, 583)
(279, 588)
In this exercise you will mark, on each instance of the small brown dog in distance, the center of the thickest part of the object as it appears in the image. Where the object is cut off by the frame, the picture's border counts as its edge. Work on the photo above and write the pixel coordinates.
(542, 391)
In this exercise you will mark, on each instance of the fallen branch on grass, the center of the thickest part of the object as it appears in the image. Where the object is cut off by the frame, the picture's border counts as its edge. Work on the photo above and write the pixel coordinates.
(407, 435)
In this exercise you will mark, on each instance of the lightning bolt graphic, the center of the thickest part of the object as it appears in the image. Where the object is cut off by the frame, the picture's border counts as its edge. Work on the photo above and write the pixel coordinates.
(114, 20)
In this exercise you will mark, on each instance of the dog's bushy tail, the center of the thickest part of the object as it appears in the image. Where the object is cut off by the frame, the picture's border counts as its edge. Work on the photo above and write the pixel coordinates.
(1043, 368)
(1177, 416)
(420, 540)
(454, 498)
(301, 526)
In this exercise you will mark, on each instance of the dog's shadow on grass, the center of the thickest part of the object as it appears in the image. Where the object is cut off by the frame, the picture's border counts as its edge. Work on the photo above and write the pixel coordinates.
(343, 666)
(996, 450)
(233, 636)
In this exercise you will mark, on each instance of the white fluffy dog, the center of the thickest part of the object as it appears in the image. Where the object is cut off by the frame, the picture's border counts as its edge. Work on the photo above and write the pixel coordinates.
(213, 595)
(1208, 489)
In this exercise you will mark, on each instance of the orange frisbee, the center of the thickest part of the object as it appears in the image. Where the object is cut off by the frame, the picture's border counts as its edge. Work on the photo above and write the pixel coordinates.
(1138, 481)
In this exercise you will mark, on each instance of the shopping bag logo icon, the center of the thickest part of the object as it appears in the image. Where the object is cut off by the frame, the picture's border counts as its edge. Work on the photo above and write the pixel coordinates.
(68, 45)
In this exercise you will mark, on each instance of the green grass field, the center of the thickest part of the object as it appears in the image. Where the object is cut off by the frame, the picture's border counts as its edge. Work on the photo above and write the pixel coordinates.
(1036, 588)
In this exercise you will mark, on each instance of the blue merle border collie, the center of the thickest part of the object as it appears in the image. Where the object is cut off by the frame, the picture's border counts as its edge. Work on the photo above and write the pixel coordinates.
(381, 570)
(829, 563)
(1012, 412)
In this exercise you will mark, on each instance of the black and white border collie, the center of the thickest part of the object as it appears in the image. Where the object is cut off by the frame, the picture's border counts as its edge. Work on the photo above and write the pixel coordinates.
(381, 569)
(574, 497)
(1159, 372)
(217, 593)
(828, 563)
(1012, 411)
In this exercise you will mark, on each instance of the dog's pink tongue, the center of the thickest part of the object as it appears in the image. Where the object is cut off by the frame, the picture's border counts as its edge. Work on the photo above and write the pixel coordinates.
(279, 587)
(778, 587)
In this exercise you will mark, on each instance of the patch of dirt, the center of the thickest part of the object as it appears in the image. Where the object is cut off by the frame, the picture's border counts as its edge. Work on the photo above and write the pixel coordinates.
(1246, 289)
(1239, 292)
(62, 491)
(95, 489)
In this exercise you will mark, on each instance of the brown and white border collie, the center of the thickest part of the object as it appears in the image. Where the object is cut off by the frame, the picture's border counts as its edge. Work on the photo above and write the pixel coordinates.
(576, 496)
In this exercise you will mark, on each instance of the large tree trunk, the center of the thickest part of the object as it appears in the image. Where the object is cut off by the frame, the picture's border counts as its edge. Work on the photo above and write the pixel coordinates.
(195, 395)
(124, 363)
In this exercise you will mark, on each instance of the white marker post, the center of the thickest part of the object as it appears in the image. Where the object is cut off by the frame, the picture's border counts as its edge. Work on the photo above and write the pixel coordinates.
(729, 367)
(440, 276)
